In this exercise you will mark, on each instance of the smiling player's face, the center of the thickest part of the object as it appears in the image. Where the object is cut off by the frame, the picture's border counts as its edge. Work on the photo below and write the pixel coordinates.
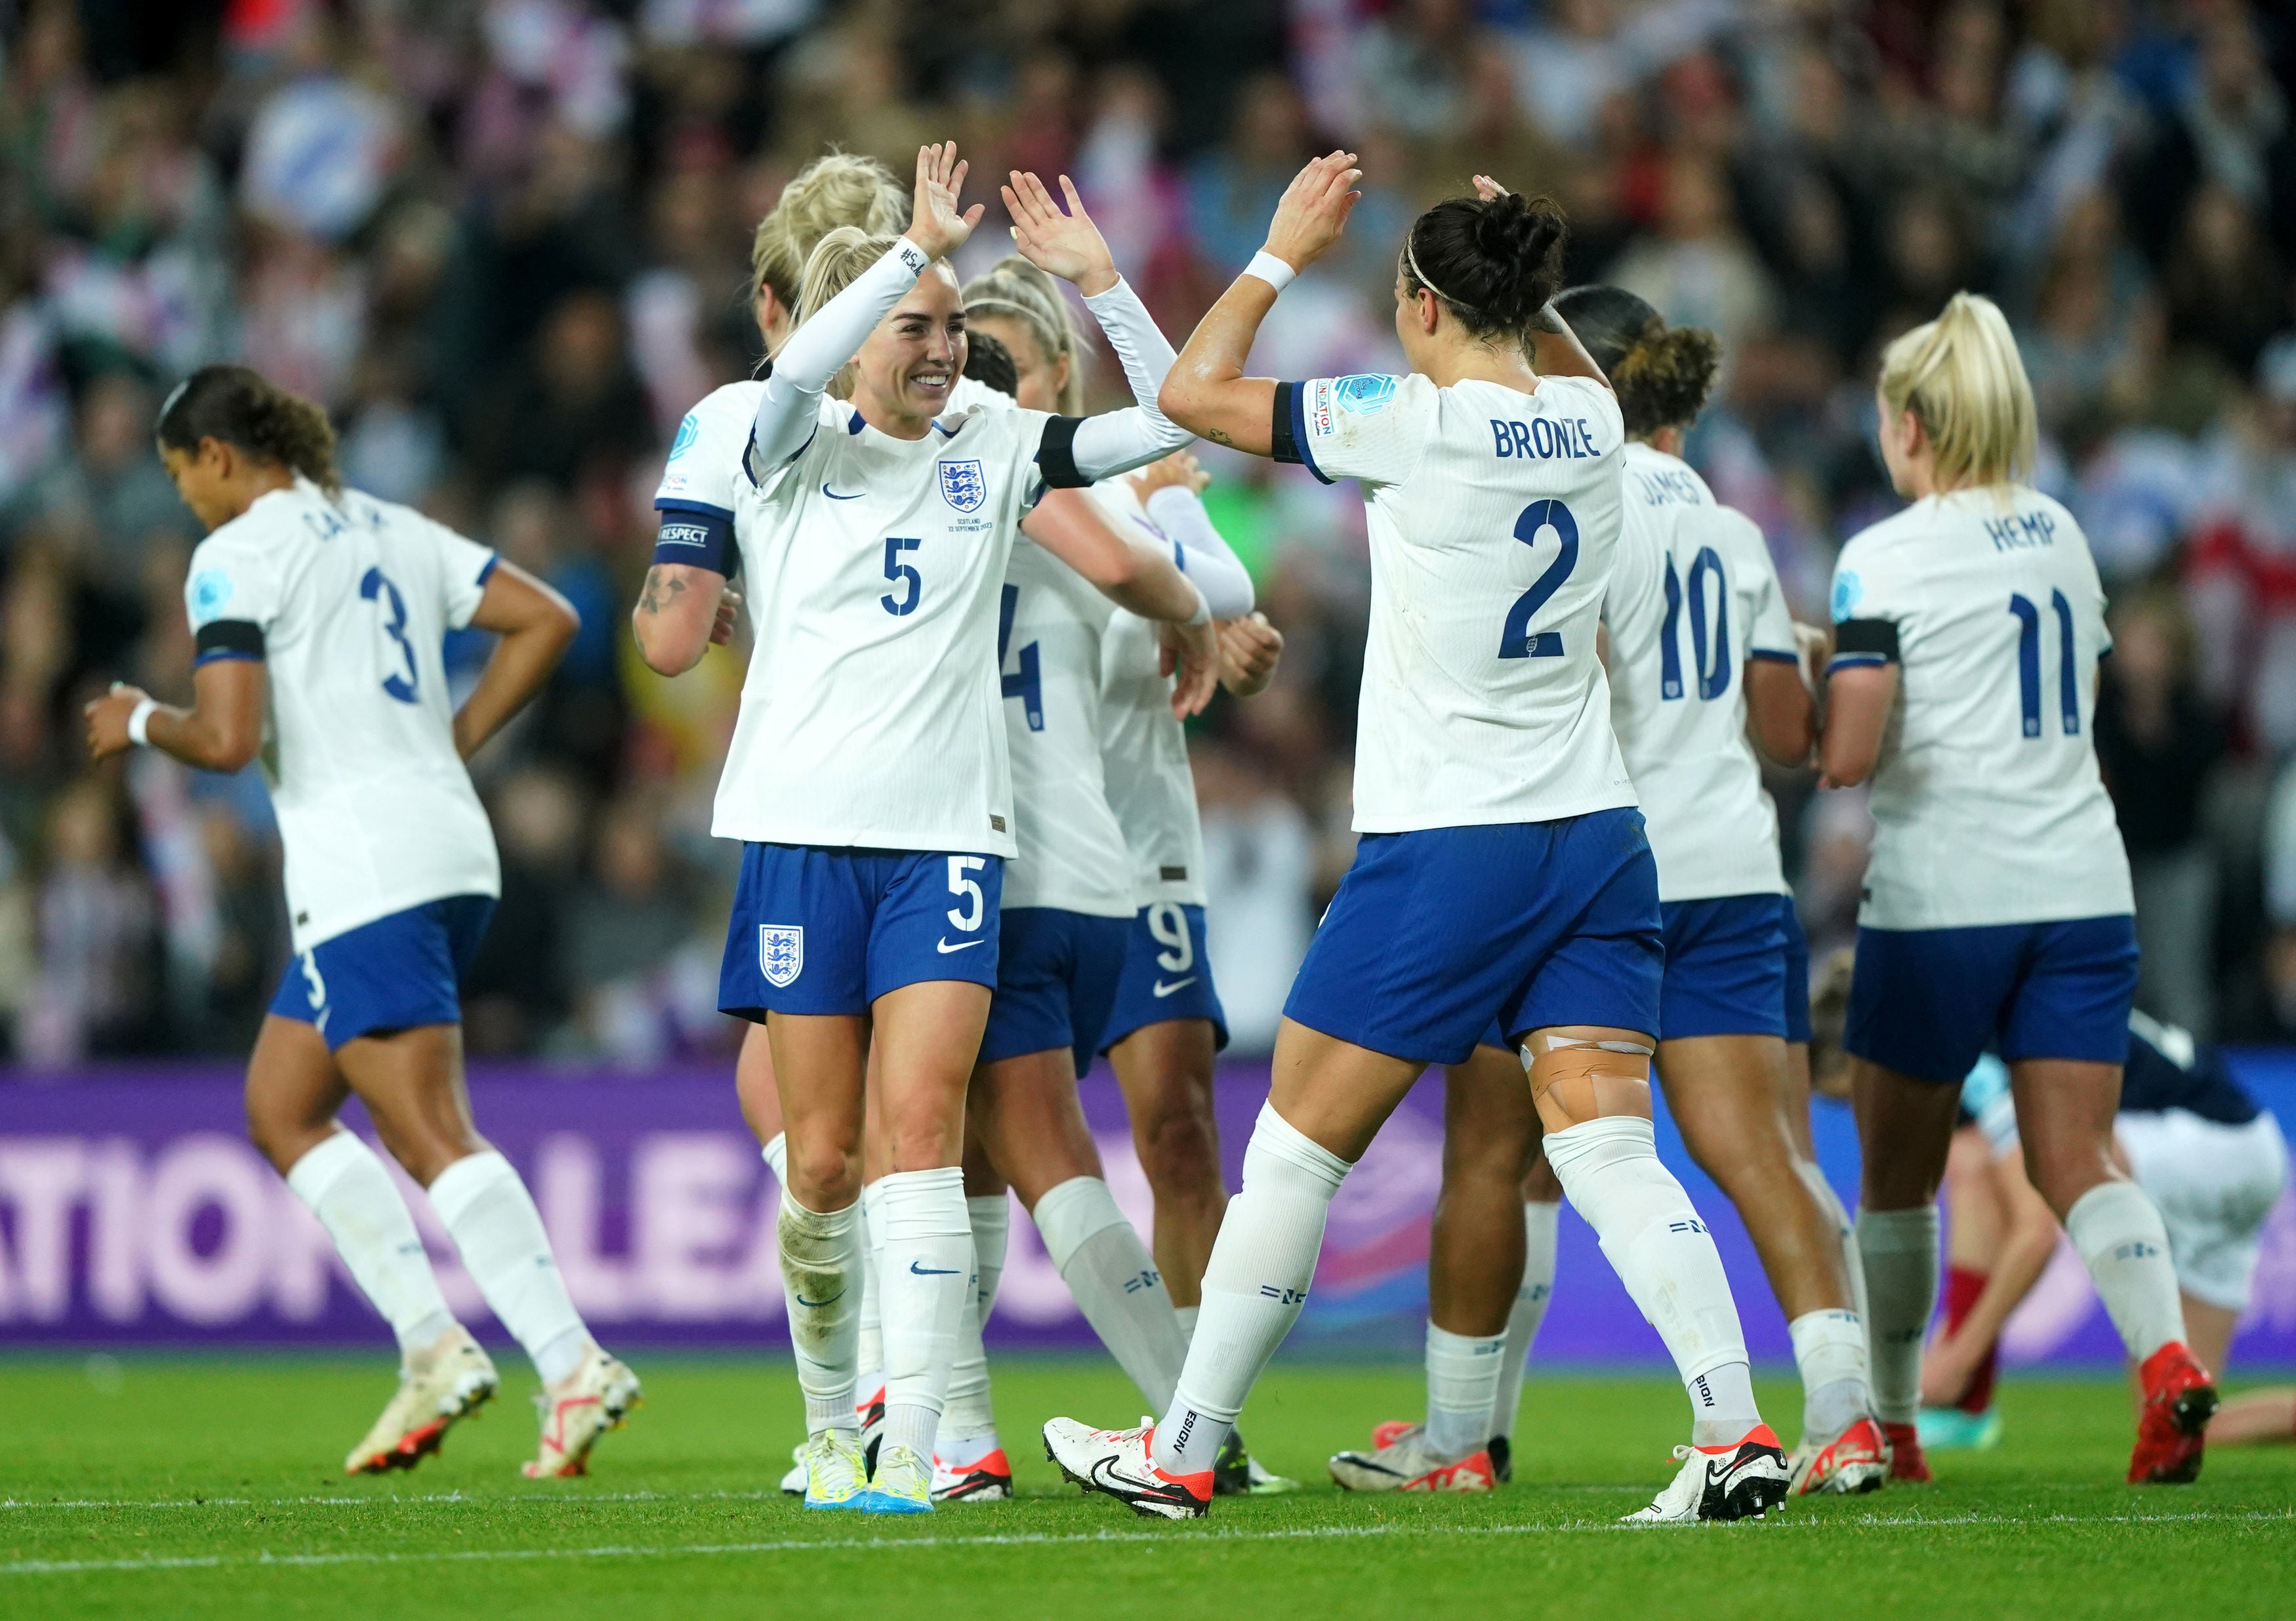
(905, 370)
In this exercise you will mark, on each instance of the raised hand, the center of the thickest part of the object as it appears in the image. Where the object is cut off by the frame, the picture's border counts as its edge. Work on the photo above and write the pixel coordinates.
(1180, 470)
(1489, 189)
(1313, 209)
(939, 223)
(1068, 245)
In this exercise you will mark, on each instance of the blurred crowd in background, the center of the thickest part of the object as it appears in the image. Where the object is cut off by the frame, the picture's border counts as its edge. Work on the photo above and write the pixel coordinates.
(505, 243)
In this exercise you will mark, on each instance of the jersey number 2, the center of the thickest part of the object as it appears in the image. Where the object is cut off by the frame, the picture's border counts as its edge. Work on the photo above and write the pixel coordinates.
(1517, 640)
(377, 588)
(2029, 664)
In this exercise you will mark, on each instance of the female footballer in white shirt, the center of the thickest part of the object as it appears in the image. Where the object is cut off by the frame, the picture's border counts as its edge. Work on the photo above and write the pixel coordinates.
(318, 614)
(1998, 904)
(1503, 875)
(868, 780)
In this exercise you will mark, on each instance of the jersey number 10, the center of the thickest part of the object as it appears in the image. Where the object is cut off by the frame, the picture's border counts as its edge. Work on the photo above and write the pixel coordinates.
(1713, 680)
(2029, 664)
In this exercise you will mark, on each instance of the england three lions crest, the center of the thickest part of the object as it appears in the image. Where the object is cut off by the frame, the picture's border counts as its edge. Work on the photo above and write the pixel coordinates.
(963, 485)
(781, 954)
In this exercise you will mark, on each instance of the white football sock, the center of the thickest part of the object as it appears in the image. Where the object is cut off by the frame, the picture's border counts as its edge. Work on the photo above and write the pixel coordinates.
(869, 1344)
(1829, 1349)
(1254, 1286)
(1899, 1250)
(1845, 1231)
(1539, 1226)
(776, 1152)
(925, 1276)
(970, 1411)
(991, 1215)
(1660, 1250)
(493, 1223)
(1463, 1387)
(2117, 1230)
(821, 1281)
(1185, 1316)
(347, 1189)
(1115, 1283)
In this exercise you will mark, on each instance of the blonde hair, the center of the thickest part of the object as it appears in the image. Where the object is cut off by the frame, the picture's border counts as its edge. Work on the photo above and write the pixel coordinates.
(1013, 288)
(839, 189)
(835, 264)
(1963, 380)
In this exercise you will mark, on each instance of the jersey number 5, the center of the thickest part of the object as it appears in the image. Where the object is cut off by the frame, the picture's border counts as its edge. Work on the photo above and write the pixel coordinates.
(1517, 640)
(2029, 664)
(377, 588)
(901, 574)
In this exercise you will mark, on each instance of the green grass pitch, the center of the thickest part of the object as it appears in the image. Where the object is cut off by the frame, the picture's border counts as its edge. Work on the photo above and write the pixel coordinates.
(189, 1486)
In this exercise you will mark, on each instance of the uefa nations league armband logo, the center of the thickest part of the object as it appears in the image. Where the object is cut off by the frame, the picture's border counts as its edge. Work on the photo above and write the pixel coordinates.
(688, 431)
(781, 954)
(1363, 395)
(963, 485)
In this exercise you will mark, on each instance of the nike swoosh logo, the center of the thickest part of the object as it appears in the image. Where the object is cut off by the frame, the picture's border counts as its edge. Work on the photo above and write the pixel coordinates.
(1106, 1473)
(834, 496)
(817, 1305)
(1163, 989)
(923, 1271)
(944, 947)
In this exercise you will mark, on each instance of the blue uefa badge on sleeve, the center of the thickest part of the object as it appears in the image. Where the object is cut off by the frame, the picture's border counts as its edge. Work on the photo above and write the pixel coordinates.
(1363, 395)
(1847, 591)
(781, 952)
(211, 592)
(688, 431)
(963, 485)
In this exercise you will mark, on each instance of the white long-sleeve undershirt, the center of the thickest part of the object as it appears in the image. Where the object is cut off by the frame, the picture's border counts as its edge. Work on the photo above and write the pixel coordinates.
(1205, 555)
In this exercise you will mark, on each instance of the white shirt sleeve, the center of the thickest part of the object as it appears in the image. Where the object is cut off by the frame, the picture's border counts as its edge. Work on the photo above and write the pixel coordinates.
(705, 457)
(1118, 441)
(465, 567)
(1772, 633)
(1376, 428)
(1204, 555)
(233, 578)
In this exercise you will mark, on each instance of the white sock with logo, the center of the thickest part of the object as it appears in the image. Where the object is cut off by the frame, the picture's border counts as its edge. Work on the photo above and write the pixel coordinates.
(924, 1278)
(1829, 1349)
(2118, 1231)
(991, 1215)
(1540, 1223)
(349, 1190)
(1115, 1283)
(1660, 1250)
(821, 1282)
(869, 1343)
(493, 1223)
(1254, 1286)
(1845, 1231)
(1899, 1249)
(969, 1414)
(1463, 1387)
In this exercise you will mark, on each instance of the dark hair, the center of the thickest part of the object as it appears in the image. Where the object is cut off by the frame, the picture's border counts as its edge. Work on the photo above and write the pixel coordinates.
(1660, 374)
(989, 363)
(1494, 265)
(242, 407)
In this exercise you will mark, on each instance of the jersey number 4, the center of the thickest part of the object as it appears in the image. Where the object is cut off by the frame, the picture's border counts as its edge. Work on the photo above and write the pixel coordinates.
(1026, 683)
(2029, 664)
(1517, 640)
(376, 588)
(1714, 679)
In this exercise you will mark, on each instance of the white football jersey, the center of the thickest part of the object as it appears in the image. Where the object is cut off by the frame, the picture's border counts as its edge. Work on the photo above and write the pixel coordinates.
(1988, 805)
(1143, 747)
(1048, 645)
(1493, 518)
(1693, 596)
(873, 713)
(354, 598)
(703, 473)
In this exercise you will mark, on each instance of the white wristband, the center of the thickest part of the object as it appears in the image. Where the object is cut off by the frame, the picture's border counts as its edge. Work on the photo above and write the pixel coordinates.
(1203, 614)
(1271, 270)
(138, 719)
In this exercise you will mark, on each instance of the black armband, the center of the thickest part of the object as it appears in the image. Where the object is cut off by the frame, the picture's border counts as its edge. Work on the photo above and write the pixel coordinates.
(1056, 455)
(698, 539)
(1864, 642)
(1282, 444)
(226, 639)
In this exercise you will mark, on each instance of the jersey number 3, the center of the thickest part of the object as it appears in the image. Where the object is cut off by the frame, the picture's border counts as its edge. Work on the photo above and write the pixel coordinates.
(377, 588)
(1517, 640)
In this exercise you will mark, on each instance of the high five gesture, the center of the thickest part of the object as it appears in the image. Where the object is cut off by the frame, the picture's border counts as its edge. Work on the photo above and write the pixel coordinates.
(1068, 245)
(941, 223)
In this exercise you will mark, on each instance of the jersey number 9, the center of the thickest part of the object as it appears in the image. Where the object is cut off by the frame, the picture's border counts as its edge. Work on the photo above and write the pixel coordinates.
(1516, 638)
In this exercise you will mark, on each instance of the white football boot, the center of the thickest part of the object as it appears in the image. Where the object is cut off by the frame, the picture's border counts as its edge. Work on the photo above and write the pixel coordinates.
(595, 1400)
(1406, 1463)
(1122, 1463)
(451, 1381)
(901, 1483)
(830, 1472)
(1741, 1481)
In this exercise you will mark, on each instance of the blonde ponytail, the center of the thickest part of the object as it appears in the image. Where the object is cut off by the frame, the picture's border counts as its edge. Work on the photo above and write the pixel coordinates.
(836, 263)
(1963, 379)
(837, 189)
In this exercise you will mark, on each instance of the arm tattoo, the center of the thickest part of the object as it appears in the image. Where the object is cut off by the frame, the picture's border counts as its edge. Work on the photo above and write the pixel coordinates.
(1217, 437)
(660, 592)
